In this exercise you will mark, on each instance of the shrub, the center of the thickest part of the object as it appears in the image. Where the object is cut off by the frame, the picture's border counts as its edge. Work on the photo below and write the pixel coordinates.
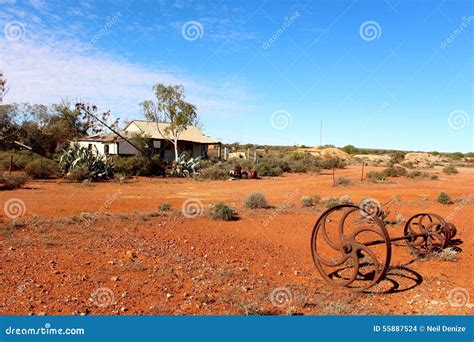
(307, 201)
(342, 181)
(41, 169)
(256, 200)
(395, 171)
(330, 202)
(434, 177)
(450, 170)
(77, 174)
(139, 166)
(444, 198)
(164, 207)
(20, 159)
(376, 177)
(221, 211)
(214, 172)
(13, 182)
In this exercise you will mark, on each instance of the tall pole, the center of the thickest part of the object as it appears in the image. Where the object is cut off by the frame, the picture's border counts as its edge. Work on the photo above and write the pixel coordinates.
(321, 134)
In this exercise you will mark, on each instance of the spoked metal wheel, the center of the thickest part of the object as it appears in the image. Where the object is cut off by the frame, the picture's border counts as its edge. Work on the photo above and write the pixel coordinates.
(350, 247)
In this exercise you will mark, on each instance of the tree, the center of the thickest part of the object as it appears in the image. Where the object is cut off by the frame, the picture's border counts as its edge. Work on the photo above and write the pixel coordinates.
(350, 149)
(171, 108)
(3, 87)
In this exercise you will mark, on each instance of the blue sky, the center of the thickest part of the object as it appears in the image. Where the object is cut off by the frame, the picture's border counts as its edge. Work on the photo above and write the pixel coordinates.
(379, 74)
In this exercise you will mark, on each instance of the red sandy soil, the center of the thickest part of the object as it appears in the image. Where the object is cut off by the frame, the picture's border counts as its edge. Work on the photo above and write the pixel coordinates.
(130, 260)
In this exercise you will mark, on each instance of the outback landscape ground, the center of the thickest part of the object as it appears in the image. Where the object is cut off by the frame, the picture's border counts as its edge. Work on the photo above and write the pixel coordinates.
(128, 258)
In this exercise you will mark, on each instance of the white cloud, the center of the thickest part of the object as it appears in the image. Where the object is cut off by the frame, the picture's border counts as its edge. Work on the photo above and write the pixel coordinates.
(46, 73)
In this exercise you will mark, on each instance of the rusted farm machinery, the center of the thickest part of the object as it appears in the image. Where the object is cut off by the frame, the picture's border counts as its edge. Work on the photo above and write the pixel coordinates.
(352, 248)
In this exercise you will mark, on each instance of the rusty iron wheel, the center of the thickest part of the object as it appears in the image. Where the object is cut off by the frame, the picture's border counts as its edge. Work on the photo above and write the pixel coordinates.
(350, 249)
(427, 232)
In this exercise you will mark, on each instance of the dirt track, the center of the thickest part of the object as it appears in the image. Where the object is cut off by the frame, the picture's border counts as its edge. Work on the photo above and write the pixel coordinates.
(135, 262)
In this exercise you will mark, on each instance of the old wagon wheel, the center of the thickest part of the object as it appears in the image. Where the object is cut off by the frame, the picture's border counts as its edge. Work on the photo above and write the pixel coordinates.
(426, 232)
(350, 249)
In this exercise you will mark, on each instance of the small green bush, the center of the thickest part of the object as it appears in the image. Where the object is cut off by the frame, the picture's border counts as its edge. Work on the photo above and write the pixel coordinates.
(13, 182)
(164, 207)
(41, 169)
(78, 174)
(221, 211)
(444, 198)
(376, 177)
(342, 181)
(395, 171)
(256, 200)
(213, 172)
(450, 170)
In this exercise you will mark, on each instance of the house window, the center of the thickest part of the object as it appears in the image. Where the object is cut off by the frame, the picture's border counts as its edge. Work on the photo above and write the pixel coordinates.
(106, 149)
(89, 147)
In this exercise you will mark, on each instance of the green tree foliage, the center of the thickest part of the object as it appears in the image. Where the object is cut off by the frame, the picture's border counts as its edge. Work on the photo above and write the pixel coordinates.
(170, 107)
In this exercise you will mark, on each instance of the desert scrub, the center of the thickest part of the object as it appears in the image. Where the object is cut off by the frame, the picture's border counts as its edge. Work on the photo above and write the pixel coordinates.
(164, 207)
(12, 182)
(342, 181)
(222, 211)
(307, 201)
(444, 198)
(447, 254)
(450, 170)
(376, 177)
(330, 202)
(395, 171)
(256, 200)
(434, 177)
(214, 172)
(41, 168)
(417, 174)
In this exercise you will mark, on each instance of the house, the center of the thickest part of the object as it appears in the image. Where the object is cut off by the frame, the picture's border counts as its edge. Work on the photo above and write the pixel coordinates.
(191, 140)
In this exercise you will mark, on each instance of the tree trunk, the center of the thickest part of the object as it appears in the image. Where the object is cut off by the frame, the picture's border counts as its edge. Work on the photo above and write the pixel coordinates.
(176, 150)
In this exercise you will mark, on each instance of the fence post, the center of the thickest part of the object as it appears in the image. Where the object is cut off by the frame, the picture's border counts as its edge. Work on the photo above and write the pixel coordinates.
(10, 166)
(362, 176)
(333, 177)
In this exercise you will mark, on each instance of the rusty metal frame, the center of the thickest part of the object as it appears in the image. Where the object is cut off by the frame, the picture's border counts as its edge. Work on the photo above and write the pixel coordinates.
(423, 233)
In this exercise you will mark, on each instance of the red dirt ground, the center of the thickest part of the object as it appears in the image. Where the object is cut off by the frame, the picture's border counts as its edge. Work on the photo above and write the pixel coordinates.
(130, 260)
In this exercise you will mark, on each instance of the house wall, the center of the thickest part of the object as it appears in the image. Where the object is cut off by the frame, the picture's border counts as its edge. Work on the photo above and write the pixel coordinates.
(99, 146)
(125, 148)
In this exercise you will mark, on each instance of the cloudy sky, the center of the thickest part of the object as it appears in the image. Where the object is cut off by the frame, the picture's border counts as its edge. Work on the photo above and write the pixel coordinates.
(382, 74)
